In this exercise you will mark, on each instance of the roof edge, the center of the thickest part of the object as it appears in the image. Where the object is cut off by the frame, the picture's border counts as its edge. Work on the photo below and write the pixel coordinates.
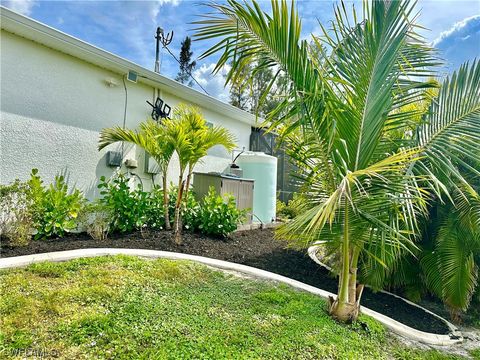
(41, 33)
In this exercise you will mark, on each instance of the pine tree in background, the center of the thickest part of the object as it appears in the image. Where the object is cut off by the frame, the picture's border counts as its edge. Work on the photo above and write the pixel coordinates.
(246, 95)
(186, 65)
(240, 92)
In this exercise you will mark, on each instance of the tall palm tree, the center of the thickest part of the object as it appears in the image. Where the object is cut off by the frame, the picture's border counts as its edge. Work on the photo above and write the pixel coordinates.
(350, 91)
(192, 138)
(152, 137)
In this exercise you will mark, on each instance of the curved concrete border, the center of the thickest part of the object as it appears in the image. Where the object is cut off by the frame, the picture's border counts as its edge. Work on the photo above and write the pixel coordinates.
(454, 337)
(393, 325)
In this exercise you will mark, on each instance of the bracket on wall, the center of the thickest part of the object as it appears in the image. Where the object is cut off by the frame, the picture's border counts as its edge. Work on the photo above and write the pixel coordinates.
(160, 110)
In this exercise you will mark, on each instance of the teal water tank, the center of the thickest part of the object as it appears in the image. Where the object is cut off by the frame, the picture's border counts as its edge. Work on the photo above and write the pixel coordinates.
(263, 169)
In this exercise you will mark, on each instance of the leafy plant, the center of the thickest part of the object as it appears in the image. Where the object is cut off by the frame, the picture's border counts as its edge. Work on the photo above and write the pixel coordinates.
(55, 208)
(190, 209)
(294, 207)
(16, 223)
(346, 117)
(218, 216)
(154, 139)
(154, 209)
(128, 208)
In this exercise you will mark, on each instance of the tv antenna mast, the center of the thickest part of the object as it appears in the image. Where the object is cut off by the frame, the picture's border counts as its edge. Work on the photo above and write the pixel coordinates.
(165, 40)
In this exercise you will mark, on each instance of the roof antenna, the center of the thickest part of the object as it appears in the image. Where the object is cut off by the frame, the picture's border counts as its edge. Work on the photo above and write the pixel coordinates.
(165, 40)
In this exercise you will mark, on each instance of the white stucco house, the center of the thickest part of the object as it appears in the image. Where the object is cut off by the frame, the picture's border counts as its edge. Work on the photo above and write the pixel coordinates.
(58, 92)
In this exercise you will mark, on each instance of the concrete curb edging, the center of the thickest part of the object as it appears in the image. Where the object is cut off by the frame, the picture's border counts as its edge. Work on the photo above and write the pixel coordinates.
(397, 327)
(393, 325)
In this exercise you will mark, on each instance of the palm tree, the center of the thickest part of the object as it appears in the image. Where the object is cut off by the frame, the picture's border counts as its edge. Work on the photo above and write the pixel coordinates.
(450, 255)
(347, 117)
(152, 137)
(192, 138)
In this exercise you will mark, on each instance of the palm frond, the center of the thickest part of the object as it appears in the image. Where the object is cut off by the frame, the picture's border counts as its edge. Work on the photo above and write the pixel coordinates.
(450, 132)
(372, 63)
(150, 137)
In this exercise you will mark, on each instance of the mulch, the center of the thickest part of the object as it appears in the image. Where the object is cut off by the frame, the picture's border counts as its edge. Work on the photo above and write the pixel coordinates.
(255, 248)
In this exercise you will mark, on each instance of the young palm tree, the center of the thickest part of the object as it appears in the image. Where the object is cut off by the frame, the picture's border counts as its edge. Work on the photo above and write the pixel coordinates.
(186, 134)
(152, 137)
(192, 138)
(370, 182)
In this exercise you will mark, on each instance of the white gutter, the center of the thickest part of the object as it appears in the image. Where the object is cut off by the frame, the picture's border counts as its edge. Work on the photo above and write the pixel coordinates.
(43, 34)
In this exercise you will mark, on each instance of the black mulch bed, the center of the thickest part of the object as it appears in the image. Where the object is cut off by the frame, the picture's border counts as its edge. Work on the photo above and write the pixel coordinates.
(255, 248)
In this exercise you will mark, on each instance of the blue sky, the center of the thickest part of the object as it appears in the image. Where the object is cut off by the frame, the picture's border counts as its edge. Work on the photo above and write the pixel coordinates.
(126, 28)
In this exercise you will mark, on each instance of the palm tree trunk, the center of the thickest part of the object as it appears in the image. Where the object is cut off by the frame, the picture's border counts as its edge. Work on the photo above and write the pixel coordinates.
(352, 284)
(178, 221)
(165, 203)
(187, 182)
(344, 307)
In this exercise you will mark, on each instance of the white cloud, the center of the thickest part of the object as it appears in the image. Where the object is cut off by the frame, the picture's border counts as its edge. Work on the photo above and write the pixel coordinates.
(23, 7)
(457, 27)
(155, 10)
(460, 43)
(214, 84)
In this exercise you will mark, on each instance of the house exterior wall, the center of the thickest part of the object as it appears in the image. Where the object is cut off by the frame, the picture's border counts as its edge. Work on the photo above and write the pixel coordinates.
(53, 106)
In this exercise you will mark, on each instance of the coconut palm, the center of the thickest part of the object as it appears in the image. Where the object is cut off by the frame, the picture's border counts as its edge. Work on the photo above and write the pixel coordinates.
(347, 116)
(152, 137)
(192, 138)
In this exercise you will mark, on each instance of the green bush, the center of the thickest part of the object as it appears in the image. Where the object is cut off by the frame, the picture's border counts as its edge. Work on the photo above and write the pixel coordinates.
(54, 209)
(154, 217)
(16, 223)
(137, 209)
(128, 209)
(189, 210)
(296, 206)
(218, 216)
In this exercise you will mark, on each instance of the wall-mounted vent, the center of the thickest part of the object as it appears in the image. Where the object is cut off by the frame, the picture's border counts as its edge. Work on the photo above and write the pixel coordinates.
(114, 158)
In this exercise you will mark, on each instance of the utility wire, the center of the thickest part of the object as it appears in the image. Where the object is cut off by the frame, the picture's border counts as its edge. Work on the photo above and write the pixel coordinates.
(188, 72)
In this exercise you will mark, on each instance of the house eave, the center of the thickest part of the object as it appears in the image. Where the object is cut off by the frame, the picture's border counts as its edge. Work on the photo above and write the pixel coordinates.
(33, 30)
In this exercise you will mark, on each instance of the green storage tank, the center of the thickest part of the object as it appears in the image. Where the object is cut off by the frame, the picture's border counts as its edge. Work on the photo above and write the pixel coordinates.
(263, 169)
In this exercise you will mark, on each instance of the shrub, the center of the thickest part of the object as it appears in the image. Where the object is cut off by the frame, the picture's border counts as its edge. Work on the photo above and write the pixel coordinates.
(95, 219)
(296, 206)
(154, 216)
(16, 223)
(127, 207)
(190, 209)
(54, 209)
(190, 212)
(139, 210)
(131, 209)
(218, 215)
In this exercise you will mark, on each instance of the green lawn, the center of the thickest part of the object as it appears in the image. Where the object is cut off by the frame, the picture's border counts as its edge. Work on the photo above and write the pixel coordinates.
(127, 308)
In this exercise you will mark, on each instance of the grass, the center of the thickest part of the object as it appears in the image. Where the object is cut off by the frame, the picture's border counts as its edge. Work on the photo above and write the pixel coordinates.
(128, 308)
